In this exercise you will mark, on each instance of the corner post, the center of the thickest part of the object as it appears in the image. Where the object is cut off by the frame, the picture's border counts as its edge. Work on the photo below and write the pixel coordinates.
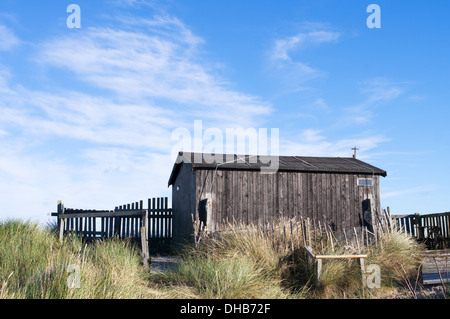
(318, 270)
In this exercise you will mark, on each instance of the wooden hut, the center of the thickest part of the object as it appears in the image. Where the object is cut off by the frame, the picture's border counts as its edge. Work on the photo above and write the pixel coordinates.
(340, 192)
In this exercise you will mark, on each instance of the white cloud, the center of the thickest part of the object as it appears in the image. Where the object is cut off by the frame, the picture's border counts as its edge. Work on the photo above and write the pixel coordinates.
(96, 150)
(283, 47)
(157, 85)
(378, 92)
(42, 115)
(107, 177)
(417, 190)
(8, 39)
(320, 104)
(288, 67)
(381, 90)
(129, 3)
(310, 142)
(160, 63)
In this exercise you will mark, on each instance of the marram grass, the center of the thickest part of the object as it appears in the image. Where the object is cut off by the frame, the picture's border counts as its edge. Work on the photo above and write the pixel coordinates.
(35, 265)
(245, 262)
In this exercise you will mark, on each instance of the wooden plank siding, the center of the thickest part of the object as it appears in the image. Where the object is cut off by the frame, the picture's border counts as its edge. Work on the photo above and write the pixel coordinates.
(252, 197)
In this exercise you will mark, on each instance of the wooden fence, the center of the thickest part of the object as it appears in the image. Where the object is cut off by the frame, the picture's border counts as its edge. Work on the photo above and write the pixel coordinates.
(125, 221)
(433, 229)
(159, 222)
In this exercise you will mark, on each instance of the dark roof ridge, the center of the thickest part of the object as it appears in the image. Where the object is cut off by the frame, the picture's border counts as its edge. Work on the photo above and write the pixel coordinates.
(285, 163)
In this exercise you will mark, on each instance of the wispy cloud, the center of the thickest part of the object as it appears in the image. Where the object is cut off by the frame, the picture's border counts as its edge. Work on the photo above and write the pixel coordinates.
(312, 142)
(161, 63)
(89, 151)
(284, 58)
(91, 119)
(377, 92)
(381, 90)
(294, 71)
(106, 148)
(418, 190)
(8, 39)
(283, 47)
(130, 3)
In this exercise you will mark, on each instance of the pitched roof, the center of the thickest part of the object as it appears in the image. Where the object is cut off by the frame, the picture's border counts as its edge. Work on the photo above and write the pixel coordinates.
(285, 163)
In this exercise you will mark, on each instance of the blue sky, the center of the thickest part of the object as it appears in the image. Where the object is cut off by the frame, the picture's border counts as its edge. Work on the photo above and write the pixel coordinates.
(86, 114)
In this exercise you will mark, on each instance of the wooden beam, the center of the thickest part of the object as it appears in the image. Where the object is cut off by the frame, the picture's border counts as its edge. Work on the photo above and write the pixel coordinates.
(317, 259)
(310, 252)
(130, 213)
(314, 256)
(339, 256)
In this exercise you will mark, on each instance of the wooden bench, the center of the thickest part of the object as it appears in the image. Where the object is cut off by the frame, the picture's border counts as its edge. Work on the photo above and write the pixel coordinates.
(317, 259)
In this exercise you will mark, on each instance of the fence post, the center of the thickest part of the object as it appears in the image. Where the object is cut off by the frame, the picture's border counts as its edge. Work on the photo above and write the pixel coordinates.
(318, 270)
(61, 229)
(356, 238)
(144, 241)
(61, 221)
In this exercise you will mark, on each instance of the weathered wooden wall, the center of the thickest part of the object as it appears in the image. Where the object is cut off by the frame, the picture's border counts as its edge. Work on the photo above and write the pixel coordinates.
(252, 197)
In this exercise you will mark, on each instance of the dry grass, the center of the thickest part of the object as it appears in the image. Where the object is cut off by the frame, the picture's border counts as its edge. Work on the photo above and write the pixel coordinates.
(241, 264)
(246, 262)
(35, 265)
(269, 262)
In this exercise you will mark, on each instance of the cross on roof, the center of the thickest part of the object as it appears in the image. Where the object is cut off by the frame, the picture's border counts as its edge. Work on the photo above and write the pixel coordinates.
(354, 151)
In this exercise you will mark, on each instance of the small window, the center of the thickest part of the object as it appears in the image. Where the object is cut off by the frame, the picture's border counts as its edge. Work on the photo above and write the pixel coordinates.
(178, 187)
(365, 182)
